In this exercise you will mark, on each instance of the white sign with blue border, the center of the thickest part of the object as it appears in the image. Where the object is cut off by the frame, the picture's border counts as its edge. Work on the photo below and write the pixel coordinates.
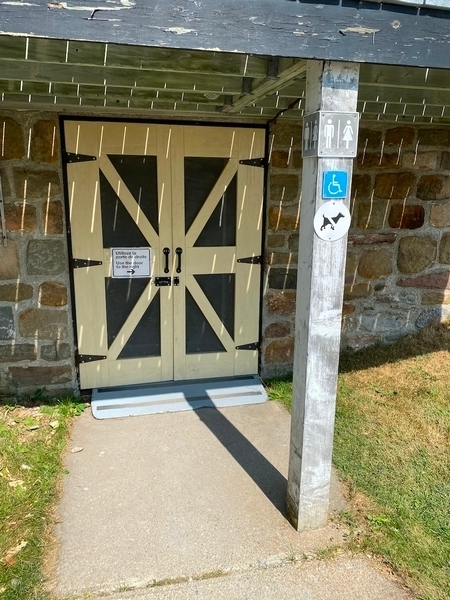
(335, 185)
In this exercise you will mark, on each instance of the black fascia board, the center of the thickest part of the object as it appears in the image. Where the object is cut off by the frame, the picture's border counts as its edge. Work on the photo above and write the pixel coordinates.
(344, 30)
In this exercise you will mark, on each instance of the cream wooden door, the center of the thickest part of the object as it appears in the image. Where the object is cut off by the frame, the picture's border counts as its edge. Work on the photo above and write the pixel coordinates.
(193, 196)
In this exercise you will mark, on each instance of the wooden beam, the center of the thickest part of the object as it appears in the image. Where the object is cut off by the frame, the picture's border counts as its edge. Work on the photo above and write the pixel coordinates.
(267, 87)
(350, 30)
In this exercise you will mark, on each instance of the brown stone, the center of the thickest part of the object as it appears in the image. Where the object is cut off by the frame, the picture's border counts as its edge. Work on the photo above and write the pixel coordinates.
(348, 309)
(415, 254)
(361, 186)
(6, 188)
(284, 189)
(15, 292)
(351, 264)
(9, 261)
(20, 217)
(281, 258)
(298, 160)
(53, 217)
(286, 218)
(36, 184)
(36, 376)
(445, 161)
(435, 298)
(357, 290)
(410, 216)
(282, 278)
(43, 324)
(444, 249)
(276, 240)
(17, 352)
(419, 160)
(368, 239)
(277, 330)
(44, 142)
(433, 136)
(439, 281)
(369, 138)
(372, 215)
(280, 351)
(281, 303)
(433, 187)
(279, 159)
(293, 242)
(375, 160)
(395, 186)
(399, 136)
(375, 263)
(440, 215)
(11, 142)
(287, 134)
(52, 293)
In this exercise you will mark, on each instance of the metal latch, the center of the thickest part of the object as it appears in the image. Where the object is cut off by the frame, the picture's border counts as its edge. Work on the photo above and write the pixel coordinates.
(162, 281)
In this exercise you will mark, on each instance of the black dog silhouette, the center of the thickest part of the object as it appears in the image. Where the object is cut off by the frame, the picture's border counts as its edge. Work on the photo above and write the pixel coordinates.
(326, 221)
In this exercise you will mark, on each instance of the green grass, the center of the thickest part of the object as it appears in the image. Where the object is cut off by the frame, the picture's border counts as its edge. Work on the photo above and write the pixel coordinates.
(32, 439)
(392, 447)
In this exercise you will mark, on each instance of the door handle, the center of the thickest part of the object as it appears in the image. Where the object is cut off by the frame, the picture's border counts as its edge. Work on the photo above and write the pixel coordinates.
(179, 252)
(166, 252)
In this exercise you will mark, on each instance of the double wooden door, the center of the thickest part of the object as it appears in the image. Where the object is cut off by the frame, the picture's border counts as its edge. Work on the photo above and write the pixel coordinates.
(188, 202)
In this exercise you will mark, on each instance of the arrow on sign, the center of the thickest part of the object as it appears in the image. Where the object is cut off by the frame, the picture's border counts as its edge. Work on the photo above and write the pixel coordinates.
(132, 271)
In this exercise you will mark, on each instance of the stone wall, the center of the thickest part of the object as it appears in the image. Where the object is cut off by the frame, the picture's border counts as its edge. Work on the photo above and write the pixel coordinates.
(36, 337)
(397, 274)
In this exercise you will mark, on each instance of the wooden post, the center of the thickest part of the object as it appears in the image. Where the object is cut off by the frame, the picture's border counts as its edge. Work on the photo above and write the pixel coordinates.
(330, 86)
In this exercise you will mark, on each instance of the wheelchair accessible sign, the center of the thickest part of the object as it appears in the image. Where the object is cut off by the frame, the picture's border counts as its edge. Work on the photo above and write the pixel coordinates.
(335, 185)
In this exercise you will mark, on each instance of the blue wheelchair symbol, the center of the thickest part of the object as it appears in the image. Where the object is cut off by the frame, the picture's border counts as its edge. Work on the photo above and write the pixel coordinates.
(335, 185)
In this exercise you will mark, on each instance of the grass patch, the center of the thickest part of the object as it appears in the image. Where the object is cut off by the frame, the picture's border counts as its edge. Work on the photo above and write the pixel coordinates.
(392, 447)
(32, 439)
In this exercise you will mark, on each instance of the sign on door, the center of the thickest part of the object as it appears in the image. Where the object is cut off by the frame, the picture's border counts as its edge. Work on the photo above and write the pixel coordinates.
(130, 262)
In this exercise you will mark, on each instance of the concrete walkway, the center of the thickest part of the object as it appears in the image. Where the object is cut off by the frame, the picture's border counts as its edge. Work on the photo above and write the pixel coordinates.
(191, 504)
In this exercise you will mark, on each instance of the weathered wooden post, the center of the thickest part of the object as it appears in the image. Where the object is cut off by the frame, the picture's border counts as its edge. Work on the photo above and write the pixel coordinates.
(329, 141)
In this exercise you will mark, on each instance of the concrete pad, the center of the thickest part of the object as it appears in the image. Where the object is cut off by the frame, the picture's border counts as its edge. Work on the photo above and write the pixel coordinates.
(343, 579)
(177, 495)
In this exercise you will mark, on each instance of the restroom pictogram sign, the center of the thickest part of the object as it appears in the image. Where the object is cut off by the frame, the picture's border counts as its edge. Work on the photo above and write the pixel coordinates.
(330, 134)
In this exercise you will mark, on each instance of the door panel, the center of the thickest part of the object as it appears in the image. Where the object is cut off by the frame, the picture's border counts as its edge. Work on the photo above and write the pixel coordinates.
(179, 188)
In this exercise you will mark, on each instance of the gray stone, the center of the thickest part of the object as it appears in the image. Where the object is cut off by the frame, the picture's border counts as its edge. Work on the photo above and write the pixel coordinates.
(283, 279)
(53, 352)
(36, 376)
(43, 324)
(46, 257)
(15, 292)
(379, 323)
(16, 352)
(432, 315)
(6, 323)
(9, 261)
(415, 254)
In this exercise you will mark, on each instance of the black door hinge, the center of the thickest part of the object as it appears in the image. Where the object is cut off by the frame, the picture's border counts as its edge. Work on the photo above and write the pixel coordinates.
(78, 263)
(252, 346)
(87, 358)
(71, 157)
(252, 260)
(253, 162)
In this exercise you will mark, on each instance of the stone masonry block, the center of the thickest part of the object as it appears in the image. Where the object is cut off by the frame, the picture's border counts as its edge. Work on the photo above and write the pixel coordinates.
(410, 216)
(279, 159)
(284, 189)
(440, 215)
(6, 323)
(400, 136)
(54, 352)
(444, 249)
(357, 290)
(35, 376)
(293, 242)
(437, 281)
(276, 240)
(419, 160)
(375, 263)
(44, 141)
(283, 279)
(361, 186)
(53, 217)
(445, 161)
(12, 144)
(280, 329)
(287, 134)
(433, 187)
(9, 261)
(395, 186)
(280, 351)
(52, 293)
(46, 257)
(281, 303)
(375, 160)
(6, 188)
(372, 215)
(285, 218)
(434, 297)
(20, 217)
(369, 138)
(433, 136)
(415, 254)
(15, 292)
(43, 324)
(34, 185)
(17, 352)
